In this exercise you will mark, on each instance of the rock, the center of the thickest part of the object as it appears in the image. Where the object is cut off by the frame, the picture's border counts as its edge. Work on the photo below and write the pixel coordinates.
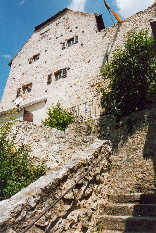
(11, 231)
(31, 202)
(42, 225)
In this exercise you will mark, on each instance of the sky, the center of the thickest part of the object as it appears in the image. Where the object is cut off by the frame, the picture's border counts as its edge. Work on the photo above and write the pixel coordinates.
(19, 17)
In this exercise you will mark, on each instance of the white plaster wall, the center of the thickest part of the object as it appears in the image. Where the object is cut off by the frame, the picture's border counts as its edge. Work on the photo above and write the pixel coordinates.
(39, 112)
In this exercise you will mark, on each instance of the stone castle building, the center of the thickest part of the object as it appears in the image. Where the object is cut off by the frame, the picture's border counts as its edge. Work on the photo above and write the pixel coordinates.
(61, 62)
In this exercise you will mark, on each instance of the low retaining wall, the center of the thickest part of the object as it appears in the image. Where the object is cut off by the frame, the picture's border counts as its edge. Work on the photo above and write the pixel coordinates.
(18, 211)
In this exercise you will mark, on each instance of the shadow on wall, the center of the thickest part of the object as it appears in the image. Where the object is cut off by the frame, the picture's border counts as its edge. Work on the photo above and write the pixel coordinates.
(144, 210)
(110, 46)
(119, 133)
(149, 197)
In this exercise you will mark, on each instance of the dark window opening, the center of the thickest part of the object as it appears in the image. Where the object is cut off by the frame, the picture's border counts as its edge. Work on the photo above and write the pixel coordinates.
(49, 80)
(70, 42)
(100, 23)
(60, 74)
(34, 58)
(27, 88)
(76, 39)
(18, 92)
(64, 73)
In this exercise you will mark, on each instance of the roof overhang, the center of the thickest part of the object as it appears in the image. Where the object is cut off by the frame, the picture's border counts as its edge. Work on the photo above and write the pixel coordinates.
(51, 19)
(22, 106)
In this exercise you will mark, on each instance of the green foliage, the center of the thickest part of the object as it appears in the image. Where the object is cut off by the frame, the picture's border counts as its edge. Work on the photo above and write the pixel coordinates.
(16, 169)
(132, 75)
(58, 118)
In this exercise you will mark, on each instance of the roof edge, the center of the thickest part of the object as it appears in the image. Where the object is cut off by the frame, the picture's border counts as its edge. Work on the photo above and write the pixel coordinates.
(50, 19)
(37, 101)
(59, 13)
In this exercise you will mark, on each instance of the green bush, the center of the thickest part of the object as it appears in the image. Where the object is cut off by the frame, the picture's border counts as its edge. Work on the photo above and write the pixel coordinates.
(132, 75)
(16, 169)
(58, 118)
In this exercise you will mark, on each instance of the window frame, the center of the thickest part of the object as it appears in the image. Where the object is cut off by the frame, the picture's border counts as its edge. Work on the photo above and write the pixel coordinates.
(69, 42)
(34, 58)
(60, 74)
(26, 88)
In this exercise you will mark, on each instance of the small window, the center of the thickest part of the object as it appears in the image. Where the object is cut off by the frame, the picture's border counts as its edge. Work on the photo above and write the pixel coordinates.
(70, 42)
(49, 80)
(58, 75)
(61, 74)
(64, 73)
(27, 88)
(34, 58)
(76, 39)
(18, 92)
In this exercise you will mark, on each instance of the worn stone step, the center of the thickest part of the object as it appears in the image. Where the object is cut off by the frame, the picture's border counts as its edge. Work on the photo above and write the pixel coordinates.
(127, 223)
(147, 198)
(128, 209)
(114, 231)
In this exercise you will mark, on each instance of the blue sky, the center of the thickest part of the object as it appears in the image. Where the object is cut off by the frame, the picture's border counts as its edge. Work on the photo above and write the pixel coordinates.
(19, 17)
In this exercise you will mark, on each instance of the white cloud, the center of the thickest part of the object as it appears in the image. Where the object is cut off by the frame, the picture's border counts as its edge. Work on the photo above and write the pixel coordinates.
(6, 56)
(21, 3)
(130, 7)
(78, 5)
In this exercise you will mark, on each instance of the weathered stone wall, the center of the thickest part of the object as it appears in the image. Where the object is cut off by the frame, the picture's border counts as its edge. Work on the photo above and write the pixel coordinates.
(83, 59)
(52, 146)
(130, 170)
(17, 212)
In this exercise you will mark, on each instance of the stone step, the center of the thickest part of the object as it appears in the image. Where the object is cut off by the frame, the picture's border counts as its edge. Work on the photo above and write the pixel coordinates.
(149, 198)
(127, 223)
(127, 209)
(114, 231)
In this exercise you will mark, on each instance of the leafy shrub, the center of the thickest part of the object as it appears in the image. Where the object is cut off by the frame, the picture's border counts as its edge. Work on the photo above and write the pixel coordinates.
(16, 169)
(58, 118)
(132, 75)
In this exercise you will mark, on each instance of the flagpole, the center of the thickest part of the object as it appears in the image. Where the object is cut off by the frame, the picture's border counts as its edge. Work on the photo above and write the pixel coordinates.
(111, 12)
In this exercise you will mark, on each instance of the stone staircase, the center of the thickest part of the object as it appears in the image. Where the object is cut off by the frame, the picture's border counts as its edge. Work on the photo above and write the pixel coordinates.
(135, 213)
